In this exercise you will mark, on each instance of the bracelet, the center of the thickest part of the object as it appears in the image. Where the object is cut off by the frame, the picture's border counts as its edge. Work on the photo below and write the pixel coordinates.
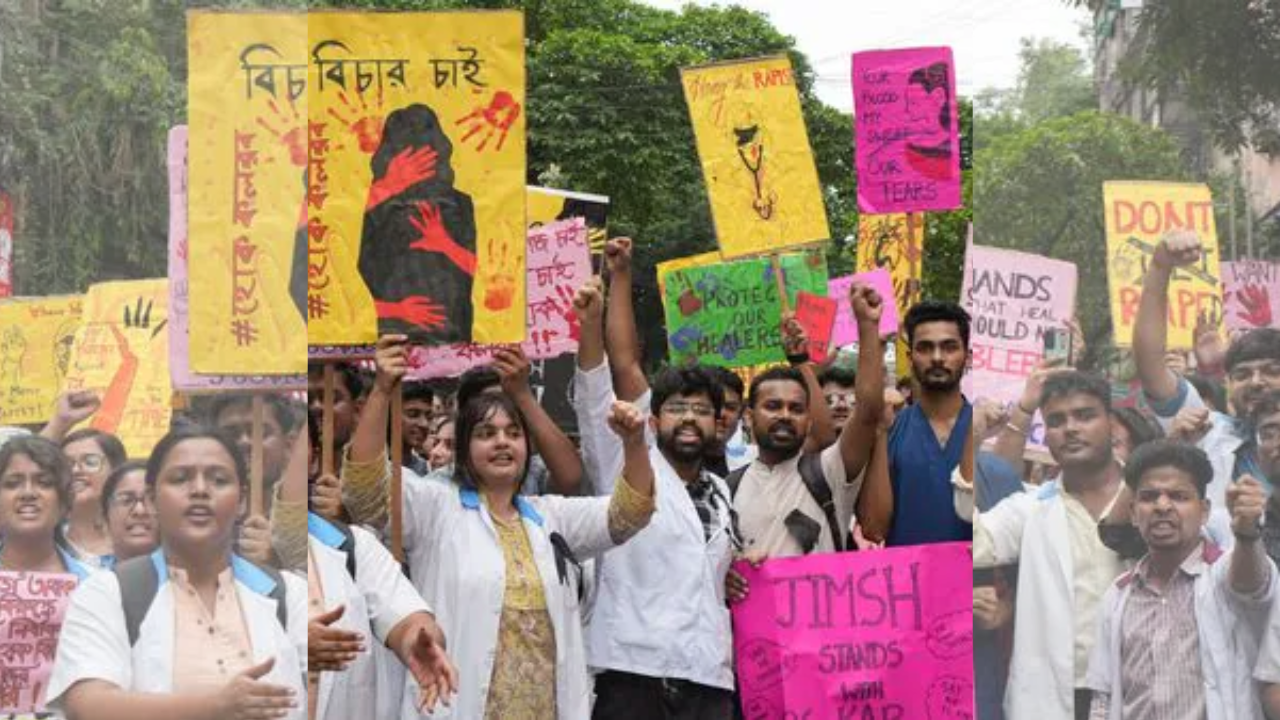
(1015, 428)
(1028, 413)
(798, 358)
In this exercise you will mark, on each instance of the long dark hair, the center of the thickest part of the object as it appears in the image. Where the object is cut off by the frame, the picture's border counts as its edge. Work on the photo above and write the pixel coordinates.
(479, 409)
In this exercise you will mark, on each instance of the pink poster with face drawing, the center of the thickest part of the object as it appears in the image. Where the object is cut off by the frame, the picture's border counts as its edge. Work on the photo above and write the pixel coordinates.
(884, 634)
(908, 130)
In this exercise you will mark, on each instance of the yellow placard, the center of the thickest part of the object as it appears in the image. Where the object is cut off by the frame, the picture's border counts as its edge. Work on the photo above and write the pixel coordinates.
(246, 187)
(547, 205)
(417, 194)
(755, 155)
(121, 352)
(36, 336)
(666, 267)
(894, 242)
(1137, 215)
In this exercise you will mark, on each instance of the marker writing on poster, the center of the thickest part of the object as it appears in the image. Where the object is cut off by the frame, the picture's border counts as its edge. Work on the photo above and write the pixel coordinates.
(333, 70)
(447, 71)
(262, 74)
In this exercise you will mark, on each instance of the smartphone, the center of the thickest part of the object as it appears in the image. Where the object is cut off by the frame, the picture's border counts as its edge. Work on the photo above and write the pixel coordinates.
(1057, 346)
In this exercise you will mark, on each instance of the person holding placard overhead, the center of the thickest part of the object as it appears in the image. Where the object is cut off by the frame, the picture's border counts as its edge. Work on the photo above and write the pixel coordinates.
(190, 631)
(499, 568)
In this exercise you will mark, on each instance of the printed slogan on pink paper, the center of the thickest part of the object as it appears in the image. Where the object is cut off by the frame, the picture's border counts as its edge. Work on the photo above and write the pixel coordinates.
(31, 609)
(881, 635)
(908, 141)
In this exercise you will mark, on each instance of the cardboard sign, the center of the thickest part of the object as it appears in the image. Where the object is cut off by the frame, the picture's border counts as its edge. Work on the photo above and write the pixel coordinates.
(846, 326)
(882, 635)
(32, 605)
(817, 315)
(36, 336)
(1138, 214)
(547, 205)
(1250, 294)
(908, 131)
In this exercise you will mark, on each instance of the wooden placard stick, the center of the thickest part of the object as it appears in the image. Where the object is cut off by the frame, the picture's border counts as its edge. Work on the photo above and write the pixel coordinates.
(776, 263)
(255, 457)
(326, 424)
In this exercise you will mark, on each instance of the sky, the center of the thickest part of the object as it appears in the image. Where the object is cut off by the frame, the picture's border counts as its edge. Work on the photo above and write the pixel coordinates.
(983, 33)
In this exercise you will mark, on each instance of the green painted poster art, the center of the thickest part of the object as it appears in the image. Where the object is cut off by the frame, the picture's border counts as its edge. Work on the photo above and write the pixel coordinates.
(728, 313)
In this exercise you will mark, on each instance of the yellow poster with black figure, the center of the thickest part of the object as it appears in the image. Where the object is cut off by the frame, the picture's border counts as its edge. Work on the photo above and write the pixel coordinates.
(755, 155)
(416, 196)
(121, 352)
(36, 335)
(247, 177)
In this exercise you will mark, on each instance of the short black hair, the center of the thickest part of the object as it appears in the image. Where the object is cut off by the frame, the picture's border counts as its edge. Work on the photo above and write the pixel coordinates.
(417, 390)
(287, 415)
(1142, 429)
(110, 445)
(777, 373)
(478, 409)
(1165, 453)
(474, 382)
(1259, 344)
(113, 480)
(1072, 382)
(47, 456)
(842, 376)
(196, 432)
(927, 311)
(349, 374)
(681, 382)
(1268, 404)
(729, 380)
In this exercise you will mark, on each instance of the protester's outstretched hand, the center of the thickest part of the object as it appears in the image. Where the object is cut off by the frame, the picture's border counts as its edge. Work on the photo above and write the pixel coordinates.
(431, 668)
(392, 359)
(331, 649)
(1246, 501)
(1034, 387)
(1177, 248)
(1210, 350)
(989, 417)
(795, 341)
(617, 255)
(246, 697)
(513, 369)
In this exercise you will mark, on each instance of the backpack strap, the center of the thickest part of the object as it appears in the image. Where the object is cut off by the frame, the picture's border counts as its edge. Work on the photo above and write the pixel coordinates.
(815, 481)
(139, 581)
(335, 534)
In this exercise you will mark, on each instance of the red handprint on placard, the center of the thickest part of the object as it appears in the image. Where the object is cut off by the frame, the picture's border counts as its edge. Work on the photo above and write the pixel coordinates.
(1256, 301)
(496, 119)
(565, 308)
(433, 237)
(500, 284)
(363, 122)
(408, 168)
(291, 131)
(417, 310)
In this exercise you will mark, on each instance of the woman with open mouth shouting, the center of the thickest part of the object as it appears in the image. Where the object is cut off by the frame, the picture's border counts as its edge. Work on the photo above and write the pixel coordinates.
(501, 570)
(93, 455)
(191, 630)
(35, 494)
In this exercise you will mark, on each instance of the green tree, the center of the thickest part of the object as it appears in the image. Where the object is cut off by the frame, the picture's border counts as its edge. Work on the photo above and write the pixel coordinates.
(1054, 80)
(1040, 190)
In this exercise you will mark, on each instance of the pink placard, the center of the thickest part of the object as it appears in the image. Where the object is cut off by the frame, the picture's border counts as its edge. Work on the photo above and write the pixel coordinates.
(180, 372)
(880, 634)
(558, 262)
(816, 315)
(846, 328)
(908, 140)
(1250, 294)
(31, 613)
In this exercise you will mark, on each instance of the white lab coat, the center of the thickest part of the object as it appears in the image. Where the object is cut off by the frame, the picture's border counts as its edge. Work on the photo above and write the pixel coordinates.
(1230, 629)
(95, 644)
(457, 565)
(1031, 529)
(376, 601)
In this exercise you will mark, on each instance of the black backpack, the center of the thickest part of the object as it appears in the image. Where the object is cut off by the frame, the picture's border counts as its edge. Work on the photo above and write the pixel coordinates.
(815, 482)
(139, 583)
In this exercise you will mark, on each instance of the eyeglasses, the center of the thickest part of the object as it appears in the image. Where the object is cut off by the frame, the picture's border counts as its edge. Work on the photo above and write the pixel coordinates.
(844, 398)
(128, 501)
(91, 463)
(676, 408)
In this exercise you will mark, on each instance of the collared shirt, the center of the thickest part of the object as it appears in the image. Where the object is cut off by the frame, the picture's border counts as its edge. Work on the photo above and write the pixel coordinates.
(769, 497)
(1094, 567)
(209, 647)
(1160, 646)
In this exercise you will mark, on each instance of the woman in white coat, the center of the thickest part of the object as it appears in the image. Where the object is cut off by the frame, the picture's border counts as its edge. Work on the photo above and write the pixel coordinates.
(217, 638)
(497, 567)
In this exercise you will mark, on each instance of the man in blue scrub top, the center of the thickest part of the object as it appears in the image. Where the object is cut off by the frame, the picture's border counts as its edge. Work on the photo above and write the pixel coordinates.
(928, 438)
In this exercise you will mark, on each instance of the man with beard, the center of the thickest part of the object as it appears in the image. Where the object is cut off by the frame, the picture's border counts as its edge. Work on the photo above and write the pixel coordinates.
(659, 633)
(1252, 366)
(928, 438)
(348, 394)
(784, 510)
(1178, 635)
(1064, 568)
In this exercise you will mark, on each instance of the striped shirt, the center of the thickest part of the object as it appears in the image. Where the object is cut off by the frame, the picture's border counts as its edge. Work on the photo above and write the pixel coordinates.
(1160, 646)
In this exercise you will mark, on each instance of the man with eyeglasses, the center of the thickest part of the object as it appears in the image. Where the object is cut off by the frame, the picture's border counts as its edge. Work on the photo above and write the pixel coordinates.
(838, 389)
(659, 635)
(1252, 366)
